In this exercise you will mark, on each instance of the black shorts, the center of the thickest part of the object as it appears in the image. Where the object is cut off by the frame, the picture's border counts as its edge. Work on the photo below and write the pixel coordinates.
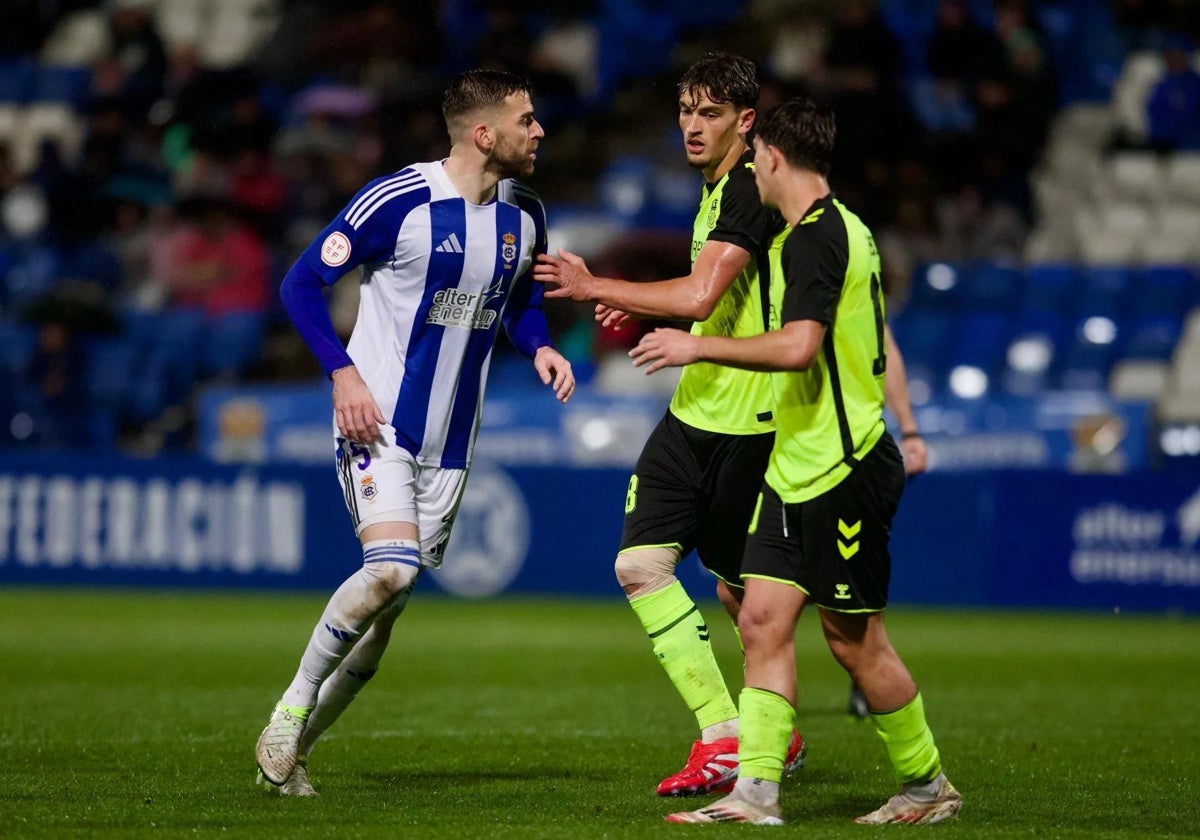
(696, 490)
(834, 547)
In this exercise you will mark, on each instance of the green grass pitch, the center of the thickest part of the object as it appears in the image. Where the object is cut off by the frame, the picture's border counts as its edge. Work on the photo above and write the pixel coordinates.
(134, 713)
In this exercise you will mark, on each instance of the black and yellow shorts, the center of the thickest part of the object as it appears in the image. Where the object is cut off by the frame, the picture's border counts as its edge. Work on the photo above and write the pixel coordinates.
(834, 547)
(697, 490)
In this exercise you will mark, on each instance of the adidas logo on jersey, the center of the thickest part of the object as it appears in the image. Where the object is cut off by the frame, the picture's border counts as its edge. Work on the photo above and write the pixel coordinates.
(450, 245)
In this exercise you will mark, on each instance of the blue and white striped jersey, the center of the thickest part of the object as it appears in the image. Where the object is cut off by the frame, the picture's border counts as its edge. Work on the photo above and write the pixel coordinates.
(439, 274)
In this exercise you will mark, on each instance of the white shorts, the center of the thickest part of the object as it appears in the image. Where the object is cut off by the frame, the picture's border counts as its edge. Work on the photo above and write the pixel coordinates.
(384, 483)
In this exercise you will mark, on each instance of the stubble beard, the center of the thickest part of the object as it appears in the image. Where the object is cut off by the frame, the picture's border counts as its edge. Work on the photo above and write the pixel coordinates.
(510, 162)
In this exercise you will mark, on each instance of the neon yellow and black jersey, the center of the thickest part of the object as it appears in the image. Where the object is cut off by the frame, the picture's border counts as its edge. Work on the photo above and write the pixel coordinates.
(712, 397)
(829, 416)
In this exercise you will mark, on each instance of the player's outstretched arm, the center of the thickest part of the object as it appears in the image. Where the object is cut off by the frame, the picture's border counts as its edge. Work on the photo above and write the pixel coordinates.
(794, 347)
(692, 297)
(895, 394)
(554, 370)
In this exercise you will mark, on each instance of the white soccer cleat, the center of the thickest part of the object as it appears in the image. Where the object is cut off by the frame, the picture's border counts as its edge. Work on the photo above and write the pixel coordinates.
(731, 809)
(297, 783)
(918, 805)
(279, 743)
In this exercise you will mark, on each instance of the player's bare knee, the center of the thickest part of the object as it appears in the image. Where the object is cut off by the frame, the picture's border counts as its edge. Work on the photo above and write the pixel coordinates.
(760, 627)
(730, 598)
(644, 571)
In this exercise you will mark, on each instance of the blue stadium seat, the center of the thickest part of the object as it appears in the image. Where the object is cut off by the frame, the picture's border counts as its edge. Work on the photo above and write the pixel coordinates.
(34, 271)
(169, 360)
(626, 186)
(939, 285)
(1090, 352)
(69, 85)
(113, 366)
(924, 337)
(1049, 287)
(1164, 290)
(1034, 351)
(1105, 290)
(912, 22)
(233, 343)
(980, 340)
(993, 287)
(16, 81)
(1152, 337)
(17, 343)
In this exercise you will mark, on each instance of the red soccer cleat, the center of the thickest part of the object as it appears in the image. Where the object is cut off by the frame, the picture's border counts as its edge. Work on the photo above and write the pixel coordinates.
(708, 767)
(713, 768)
(793, 761)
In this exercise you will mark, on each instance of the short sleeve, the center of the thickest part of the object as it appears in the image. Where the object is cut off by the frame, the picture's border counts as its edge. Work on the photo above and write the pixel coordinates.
(743, 220)
(814, 260)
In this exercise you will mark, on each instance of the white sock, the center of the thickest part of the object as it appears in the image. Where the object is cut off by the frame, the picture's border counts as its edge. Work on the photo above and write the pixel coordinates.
(759, 791)
(724, 729)
(356, 669)
(350, 612)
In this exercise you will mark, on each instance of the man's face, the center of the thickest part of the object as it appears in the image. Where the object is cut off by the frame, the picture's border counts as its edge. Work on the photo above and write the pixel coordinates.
(763, 176)
(517, 137)
(709, 129)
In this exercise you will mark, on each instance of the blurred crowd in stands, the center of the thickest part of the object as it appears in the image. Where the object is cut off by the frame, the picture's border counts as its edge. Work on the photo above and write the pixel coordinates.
(163, 161)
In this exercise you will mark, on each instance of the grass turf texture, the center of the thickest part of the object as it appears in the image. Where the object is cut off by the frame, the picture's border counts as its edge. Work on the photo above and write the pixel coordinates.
(129, 714)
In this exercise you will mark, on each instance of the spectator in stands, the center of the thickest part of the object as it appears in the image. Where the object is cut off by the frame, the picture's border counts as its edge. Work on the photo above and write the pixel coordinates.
(909, 240)
(57, 370)
(1173, 111)
(138, 225)
(973, 228)
(863, 68)
(220, 265)
(1015, 109)
(135, 67)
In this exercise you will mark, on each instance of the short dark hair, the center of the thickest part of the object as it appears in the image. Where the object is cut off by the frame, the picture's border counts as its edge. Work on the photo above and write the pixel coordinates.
(802, 130)
(725, 77)
(476, 89)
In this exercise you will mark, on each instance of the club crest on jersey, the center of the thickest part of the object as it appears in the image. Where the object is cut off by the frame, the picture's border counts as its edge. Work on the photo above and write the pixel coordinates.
(335, 250)
(713, 208)
(508, 252)
(369, 488)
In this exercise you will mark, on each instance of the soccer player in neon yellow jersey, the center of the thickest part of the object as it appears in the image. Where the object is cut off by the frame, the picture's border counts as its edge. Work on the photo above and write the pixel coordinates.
(696, 480)
(820, 530)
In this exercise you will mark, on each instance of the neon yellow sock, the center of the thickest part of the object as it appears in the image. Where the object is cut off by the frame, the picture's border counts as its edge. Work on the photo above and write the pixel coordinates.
(681, 644)
(738, 633)
(909, 743)
(764, 730)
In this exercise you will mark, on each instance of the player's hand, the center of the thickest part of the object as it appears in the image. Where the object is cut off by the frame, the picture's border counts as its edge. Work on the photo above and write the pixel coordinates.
(665, 348)
(916, 455)
(355, 410)
(610, 318)
(565, 276)
(555, 371)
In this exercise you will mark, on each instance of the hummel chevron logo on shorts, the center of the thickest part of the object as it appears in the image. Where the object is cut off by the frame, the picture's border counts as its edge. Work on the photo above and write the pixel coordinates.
(450, 245)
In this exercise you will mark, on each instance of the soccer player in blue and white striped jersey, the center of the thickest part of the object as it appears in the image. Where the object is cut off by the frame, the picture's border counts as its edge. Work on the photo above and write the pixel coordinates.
(445, 250)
